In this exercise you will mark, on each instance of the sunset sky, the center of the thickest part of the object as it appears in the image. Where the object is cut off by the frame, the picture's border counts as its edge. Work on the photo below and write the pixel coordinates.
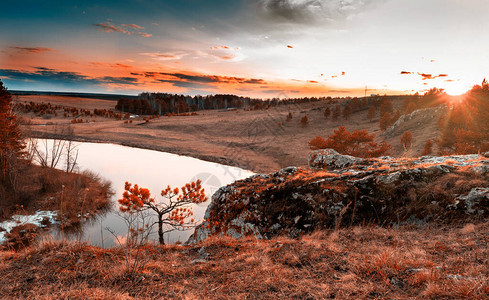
(259, 48)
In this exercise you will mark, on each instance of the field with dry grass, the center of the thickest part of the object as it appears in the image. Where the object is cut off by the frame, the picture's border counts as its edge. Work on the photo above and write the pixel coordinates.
(362, 262)
(356, 263)
(260, 140)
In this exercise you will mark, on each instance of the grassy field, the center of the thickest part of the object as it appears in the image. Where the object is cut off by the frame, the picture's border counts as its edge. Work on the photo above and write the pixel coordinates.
(356, 263)
(260, 141)
(363, 262)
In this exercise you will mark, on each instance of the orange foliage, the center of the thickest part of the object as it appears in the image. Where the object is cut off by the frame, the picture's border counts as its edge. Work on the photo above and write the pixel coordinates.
(371, 112)
(358, 143)
(289, 117)
(304, 121)
(176, 212)
(336, 112)
(386, 107)
(11, 144)
(327, 112)
(406, 139)
(385, 121)
(347, 111)
(428, 148)
(410, 108)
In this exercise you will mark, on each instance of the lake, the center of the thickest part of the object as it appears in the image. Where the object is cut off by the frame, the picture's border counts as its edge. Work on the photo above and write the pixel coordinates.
(149, 169)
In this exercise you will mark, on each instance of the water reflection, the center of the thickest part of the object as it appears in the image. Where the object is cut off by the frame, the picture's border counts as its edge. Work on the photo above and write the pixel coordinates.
(149, 169)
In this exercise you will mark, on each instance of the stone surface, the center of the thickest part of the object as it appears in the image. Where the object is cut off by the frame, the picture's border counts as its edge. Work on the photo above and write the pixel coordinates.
(341, 190)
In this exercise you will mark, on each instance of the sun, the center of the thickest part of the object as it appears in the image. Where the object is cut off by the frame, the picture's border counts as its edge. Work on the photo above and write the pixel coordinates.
(456, 89)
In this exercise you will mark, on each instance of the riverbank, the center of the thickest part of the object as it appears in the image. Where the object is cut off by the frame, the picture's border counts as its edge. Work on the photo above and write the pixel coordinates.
(365, 262)
(71, 197)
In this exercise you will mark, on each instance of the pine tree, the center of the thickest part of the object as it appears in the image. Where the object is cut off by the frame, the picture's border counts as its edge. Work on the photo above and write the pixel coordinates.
(385, 121)
(336, 112)
(327, 112)
(371, 112)
(428, 148)
(347, 111)
(11, 143)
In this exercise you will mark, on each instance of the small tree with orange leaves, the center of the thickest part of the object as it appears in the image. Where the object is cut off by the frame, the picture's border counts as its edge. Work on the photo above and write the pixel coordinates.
(176, 212)
(371, 112)
(428, 148)
(385, 121)
(304, 121)
(406, 140)
(327, 112)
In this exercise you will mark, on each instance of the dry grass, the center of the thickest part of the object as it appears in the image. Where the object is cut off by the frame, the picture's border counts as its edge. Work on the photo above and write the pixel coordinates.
(356, 263)
(74, 196)
(252, 140)
(48, 189)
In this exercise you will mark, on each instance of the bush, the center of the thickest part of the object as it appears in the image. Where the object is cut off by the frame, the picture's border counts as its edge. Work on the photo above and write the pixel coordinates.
(359, 143)
(385, 121)
(406, 140)
(371, 112)
(428, 148)
(289, 117)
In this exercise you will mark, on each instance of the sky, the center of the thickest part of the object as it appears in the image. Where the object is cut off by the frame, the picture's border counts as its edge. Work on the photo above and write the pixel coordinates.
(257, 48)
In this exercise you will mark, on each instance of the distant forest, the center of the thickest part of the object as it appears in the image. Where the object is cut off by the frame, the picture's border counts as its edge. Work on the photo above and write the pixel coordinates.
(163, 103)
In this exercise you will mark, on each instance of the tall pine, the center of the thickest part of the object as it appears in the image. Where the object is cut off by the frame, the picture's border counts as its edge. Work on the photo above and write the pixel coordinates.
(11, 143)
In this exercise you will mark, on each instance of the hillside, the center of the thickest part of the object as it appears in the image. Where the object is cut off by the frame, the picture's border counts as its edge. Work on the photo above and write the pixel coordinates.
(257, 140)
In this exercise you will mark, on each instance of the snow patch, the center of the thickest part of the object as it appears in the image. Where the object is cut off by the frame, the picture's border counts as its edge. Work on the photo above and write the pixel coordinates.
(18, 220)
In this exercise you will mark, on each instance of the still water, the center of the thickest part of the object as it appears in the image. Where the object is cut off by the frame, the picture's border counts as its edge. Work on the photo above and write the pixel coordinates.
(149, 169)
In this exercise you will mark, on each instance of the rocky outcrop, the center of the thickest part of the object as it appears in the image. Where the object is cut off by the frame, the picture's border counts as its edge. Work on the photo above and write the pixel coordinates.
(416, 118)
(340, 190)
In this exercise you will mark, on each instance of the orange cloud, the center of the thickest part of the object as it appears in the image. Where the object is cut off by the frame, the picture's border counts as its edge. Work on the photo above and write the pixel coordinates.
(430, 76)
(224, 53)
(226, 57)
(133, 26)
(426, 76)
(220, 47)
(32, 49)
(115, 66)
(128, 29)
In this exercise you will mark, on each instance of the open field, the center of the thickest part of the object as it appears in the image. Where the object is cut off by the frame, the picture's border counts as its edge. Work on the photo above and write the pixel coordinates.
(261, 141)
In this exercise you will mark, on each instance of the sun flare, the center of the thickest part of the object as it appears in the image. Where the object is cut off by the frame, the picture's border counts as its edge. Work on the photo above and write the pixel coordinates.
(456, 89)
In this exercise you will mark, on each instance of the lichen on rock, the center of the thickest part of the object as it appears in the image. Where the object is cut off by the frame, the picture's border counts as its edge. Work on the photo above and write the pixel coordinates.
(341, 190)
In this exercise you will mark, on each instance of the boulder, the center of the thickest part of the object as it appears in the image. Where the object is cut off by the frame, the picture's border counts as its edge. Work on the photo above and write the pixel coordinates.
(330, 159)
(341, 190)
